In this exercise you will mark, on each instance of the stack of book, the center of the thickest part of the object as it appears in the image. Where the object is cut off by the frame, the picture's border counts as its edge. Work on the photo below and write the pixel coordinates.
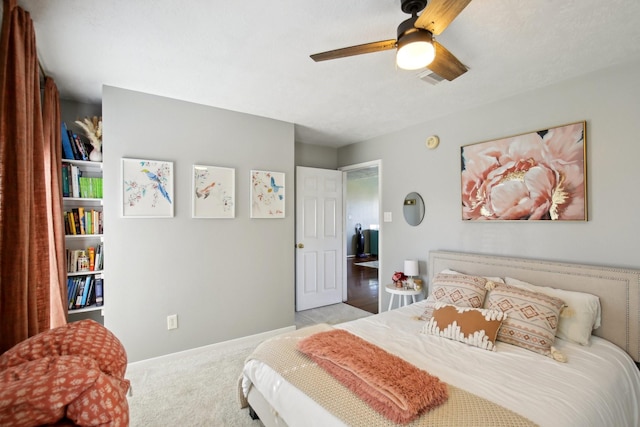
(73, 148)
(76, 185)
(85, 291)
(95, 259)
(82, 221)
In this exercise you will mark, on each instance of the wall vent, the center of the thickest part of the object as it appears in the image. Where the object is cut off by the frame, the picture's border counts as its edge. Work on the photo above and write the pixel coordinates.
(430, 77)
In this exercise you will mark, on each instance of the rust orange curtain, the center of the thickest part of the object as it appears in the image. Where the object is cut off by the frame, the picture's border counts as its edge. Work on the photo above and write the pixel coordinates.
(52, 158)
(26, 196)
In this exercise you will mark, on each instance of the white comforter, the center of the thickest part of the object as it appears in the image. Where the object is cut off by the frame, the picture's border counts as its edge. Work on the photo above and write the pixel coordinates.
(598, 386)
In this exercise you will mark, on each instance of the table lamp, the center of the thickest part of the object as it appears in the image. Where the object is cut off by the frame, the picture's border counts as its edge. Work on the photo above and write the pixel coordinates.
(411, 269)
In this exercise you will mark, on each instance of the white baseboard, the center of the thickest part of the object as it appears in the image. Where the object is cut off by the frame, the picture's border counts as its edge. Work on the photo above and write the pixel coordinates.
(219, 346)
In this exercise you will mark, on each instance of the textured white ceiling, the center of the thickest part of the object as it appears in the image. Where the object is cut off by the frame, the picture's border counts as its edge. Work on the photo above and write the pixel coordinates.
(252, 56)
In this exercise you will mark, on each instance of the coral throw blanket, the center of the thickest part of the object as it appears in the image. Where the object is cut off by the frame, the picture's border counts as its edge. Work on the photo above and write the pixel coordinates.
(392, 386)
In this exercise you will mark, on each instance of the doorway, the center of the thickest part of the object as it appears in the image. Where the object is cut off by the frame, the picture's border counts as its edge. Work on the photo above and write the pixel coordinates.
(319, 237)
(361, 184)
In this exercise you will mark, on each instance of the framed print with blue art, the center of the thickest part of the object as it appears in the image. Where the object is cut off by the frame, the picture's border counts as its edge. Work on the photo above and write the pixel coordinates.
(147, 188)
(267, 194)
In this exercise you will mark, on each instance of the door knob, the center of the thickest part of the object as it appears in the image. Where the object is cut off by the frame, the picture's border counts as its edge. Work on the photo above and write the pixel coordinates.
(300, 245)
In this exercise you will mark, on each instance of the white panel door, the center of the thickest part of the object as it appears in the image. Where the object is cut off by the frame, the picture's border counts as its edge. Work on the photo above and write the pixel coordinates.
(318, 237)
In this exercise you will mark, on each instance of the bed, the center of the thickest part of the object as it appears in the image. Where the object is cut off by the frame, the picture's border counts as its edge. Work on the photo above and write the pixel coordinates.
(598, 385)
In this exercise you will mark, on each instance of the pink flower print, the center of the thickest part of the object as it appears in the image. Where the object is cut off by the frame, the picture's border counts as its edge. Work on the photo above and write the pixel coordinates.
(536, 176)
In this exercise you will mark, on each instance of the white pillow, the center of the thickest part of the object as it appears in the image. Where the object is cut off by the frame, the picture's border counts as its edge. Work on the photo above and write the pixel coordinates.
(581, 315)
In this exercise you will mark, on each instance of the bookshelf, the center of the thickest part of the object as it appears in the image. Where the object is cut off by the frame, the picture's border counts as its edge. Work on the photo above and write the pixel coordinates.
(84, 237)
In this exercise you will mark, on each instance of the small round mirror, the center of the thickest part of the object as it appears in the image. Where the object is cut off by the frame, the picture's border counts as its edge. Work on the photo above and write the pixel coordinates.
(413, 209)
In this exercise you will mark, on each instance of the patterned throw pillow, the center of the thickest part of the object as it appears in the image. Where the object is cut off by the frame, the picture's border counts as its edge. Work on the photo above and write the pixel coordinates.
(532, 317)
(460, 290)
(581, 314)
(474, 326)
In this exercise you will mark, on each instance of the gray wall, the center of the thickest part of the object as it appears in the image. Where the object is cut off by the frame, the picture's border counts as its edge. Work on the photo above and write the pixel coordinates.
(70, 111)
(316, 156)
(224, 278)
(608, 100)
(231, 278)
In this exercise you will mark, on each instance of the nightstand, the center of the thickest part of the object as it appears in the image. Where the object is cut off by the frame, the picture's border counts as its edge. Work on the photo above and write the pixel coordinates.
(401, 292)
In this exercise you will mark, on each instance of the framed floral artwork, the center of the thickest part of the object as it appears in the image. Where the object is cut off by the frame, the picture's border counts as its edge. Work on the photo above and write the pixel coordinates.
(147, 188)
(267, 194)
(213, 192)
(539, 175)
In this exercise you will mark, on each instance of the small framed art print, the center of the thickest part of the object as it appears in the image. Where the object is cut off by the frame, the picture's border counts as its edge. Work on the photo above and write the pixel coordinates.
(147, 188)
(267, 194)
(213, 192)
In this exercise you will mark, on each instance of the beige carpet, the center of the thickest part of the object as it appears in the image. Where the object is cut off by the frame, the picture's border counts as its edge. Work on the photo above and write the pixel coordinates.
(198, 388)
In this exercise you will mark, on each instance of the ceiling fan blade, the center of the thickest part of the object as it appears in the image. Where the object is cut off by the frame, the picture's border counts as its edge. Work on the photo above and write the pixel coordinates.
(445, 64)
(439, 13)
(355, 50)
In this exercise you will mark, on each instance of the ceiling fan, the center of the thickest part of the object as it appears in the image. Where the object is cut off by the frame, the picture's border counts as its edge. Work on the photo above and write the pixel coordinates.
(415, 43)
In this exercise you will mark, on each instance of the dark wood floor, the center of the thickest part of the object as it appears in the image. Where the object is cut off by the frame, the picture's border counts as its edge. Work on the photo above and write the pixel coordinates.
(362, 285)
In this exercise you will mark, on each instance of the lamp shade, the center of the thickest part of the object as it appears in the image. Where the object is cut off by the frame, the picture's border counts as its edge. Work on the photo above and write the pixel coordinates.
(411, 267)
(415, 50)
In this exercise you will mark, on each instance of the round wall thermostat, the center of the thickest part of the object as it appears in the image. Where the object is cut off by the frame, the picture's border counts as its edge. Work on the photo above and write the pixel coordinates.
(432, 142)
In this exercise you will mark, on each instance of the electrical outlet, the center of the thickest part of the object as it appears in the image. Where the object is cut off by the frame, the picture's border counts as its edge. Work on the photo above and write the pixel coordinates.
(172, 322)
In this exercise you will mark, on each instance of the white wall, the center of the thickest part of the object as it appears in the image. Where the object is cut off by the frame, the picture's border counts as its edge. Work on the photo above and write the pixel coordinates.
(225, 278)
(608, 100)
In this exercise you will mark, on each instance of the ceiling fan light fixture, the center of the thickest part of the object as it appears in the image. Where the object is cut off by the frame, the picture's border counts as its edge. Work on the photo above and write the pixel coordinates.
(415, 50)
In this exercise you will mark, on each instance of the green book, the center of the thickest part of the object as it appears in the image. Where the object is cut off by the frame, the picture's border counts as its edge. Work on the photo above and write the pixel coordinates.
(65, 181)
(88, 215)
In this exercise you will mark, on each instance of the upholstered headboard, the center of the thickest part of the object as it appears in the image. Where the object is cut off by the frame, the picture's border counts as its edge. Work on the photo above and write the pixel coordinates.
(618, 289)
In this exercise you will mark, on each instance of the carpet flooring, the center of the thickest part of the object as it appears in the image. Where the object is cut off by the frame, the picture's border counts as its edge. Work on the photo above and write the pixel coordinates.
(198, 387)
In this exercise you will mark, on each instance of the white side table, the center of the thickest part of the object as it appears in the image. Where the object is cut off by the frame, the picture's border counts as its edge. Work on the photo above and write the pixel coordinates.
(393, 290)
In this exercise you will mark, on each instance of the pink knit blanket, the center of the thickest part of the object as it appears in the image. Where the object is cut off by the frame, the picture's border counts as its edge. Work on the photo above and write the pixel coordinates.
(392, 386)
